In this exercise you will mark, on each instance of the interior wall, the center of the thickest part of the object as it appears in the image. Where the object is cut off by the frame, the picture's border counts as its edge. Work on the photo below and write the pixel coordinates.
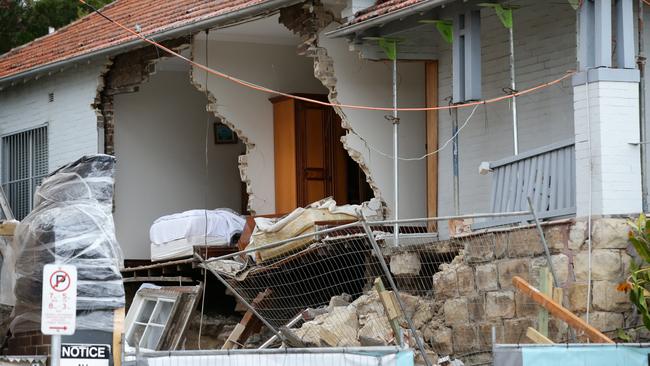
(364, 82)
(544, 50)
(275, 66)
(160, 134)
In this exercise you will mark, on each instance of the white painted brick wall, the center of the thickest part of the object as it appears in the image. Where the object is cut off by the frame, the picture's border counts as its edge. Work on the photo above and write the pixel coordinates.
(545, 47)
(613, 123)
(72, 122)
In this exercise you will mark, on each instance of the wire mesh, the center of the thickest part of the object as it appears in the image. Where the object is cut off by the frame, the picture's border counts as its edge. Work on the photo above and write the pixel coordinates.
(453, 288)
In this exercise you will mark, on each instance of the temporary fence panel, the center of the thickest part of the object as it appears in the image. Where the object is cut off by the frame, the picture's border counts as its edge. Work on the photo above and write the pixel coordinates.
(572, 355)
(385, 356)
(329, 277)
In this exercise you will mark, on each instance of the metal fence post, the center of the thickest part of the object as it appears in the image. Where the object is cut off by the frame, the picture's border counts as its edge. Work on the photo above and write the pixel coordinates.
(389, 276)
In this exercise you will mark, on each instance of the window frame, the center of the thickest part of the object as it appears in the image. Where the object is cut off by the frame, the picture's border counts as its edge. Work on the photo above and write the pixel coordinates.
(136, 310)
(30, 160)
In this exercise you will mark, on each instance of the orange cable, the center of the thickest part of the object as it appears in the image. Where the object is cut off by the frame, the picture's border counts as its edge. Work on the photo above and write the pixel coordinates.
(339, 105)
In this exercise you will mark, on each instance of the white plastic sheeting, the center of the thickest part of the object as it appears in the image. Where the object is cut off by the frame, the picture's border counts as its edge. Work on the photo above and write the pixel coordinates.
(72, 224)
(369, 356)
(7, 271)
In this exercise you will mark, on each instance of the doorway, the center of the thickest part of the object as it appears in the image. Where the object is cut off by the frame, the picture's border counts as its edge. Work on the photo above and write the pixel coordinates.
(310, 160)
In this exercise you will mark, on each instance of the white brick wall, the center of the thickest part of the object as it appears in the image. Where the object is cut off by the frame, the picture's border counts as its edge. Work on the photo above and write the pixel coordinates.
(614, 123)
(72, 122)
(545, 47)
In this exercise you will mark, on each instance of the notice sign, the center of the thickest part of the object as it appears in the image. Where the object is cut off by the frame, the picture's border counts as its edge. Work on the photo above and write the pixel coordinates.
(59, 306)
(85, 354)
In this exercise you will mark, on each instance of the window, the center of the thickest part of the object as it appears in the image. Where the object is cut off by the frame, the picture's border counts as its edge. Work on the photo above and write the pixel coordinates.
(158, 316)
(150, 322)
(24, 164)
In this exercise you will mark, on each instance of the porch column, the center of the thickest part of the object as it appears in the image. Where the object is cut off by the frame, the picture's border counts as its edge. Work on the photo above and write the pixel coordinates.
(606, 115)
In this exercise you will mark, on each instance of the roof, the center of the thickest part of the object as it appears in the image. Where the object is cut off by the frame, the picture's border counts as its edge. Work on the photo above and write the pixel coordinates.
(384, 11)
(382, 7)
(93, 33)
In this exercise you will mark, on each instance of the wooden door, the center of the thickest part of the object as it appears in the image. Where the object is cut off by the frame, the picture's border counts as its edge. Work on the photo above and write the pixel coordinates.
(315, 153)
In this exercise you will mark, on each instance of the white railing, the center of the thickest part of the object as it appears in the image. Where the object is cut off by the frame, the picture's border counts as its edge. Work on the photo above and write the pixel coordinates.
(546, 175)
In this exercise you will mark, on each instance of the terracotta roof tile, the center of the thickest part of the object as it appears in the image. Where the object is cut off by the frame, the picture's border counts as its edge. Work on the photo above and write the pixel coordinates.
(94, 33)
(382, 7)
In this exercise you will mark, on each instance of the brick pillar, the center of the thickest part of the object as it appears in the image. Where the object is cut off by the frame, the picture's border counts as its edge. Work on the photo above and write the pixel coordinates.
(609, 122)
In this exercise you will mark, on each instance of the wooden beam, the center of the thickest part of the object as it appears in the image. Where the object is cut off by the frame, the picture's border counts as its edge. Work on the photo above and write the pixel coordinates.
(537, 337)
(559, 311)
(392, 312)
(248, 325)
(177, 279)
(118, 331)
(431, 85)
(546, 287)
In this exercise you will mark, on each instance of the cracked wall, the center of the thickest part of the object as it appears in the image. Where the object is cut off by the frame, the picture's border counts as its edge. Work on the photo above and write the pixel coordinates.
(124, 74)
(164, 164)
(249, 112)
(352, 80)
(306, 20)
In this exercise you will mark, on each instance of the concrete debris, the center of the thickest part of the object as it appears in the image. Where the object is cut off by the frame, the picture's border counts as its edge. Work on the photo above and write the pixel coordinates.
(364, 322)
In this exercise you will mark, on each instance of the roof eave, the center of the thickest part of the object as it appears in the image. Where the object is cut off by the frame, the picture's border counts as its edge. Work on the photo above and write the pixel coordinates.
(386, 18)
(216, 21)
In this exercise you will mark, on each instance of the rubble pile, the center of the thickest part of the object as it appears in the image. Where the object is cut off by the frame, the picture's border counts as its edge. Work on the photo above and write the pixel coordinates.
(363, 322)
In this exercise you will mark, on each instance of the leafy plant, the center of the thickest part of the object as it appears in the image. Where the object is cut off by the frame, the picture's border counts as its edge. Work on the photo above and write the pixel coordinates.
(638, 283)
(24, 20)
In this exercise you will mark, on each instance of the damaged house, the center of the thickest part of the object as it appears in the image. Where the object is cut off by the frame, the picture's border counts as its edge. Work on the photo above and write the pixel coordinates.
(497, 103)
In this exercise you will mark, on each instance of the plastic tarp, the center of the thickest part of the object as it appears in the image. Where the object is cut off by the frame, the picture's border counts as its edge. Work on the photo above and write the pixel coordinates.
(572, 355)
(7, 277)
(71, 223)
(283, 357)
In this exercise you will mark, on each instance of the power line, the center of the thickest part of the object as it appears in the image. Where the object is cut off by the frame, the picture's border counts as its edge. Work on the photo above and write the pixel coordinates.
(339, 105)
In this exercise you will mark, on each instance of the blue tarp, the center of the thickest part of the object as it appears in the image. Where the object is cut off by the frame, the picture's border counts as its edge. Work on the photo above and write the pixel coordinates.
(572, 355)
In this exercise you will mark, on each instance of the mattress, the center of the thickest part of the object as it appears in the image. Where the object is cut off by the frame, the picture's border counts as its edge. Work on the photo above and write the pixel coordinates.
(183, 247)
(174, 236)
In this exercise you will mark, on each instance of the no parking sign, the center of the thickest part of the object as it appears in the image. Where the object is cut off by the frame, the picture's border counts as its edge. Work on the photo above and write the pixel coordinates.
(59, 304)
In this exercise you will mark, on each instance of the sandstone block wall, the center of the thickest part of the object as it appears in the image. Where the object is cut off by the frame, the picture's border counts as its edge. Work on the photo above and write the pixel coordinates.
(475, 291)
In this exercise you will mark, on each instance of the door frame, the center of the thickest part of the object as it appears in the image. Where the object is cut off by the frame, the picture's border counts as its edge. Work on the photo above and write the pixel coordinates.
(431, 96)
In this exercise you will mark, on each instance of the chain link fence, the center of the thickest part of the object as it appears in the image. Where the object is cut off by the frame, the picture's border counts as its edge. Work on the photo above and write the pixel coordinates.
(394, 283)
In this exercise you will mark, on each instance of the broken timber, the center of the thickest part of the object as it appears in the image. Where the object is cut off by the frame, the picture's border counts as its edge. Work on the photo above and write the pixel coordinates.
(537, 337)
(393, 312)
(248, 325)
(559, 311)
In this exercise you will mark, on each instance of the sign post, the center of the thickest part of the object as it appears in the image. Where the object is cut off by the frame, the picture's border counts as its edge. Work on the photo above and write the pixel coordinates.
(59, 305)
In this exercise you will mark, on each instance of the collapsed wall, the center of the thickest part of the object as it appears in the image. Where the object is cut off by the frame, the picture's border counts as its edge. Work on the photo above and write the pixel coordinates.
(124, 75)
(456, 291)
(307, 20)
